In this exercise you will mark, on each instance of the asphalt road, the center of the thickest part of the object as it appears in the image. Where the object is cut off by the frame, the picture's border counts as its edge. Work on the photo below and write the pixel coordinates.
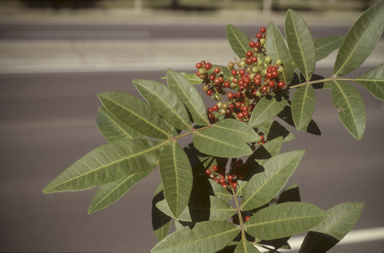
(48, 123)
(136, 32)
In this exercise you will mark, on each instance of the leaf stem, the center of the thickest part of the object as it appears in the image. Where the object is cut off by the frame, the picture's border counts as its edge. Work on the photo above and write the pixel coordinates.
(322, 81)
(234, 194)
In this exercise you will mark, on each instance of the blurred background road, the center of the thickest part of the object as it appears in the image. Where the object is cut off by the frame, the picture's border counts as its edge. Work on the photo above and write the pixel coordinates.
(55, 56)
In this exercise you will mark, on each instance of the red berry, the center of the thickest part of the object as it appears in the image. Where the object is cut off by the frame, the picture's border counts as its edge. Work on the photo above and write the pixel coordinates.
(234, 185)
(199, 65)
(248, 61)
(227, 84)
(207, 171)
(258, 44)
(230, 177)
(281, 84)
(208, 66)
(249, 53)
(234, 72)
(217, 81)
(241, 72)
(238, 104)
(271, 84)
(198, 73)
(209, 92)
(264, 89)
(230, 95)
(212, 77)
(252, 44)
(239, 163)
(254, 59)
(246, 114)
(247, 218)
(263, 30)
(222, 181)
(261, 137)
(259, 35)
(215, 108)
(202, 62)
(240, 115)
(215, 167)
(269, 75)
(257, 80)
(217, 180)
(217, 70)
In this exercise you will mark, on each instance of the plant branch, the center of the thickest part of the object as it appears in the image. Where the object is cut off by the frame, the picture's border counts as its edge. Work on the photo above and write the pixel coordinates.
(323, 81)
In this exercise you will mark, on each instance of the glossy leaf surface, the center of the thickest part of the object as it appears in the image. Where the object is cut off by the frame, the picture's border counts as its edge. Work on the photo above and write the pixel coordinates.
(176, 175)
(188, 94)
(113, 129)
(339, 223)
(164, 102)
(300, 43)
(238, 41)
(207, 236)
(268, 107)
(303, 106)
(360, 40)
(232, 126)
(373, 81)
(325, 46)
(135, 113)
(350, 107)
(262, 187)
(111, 192)
(105, 164)
(277, 49)
(284, 219)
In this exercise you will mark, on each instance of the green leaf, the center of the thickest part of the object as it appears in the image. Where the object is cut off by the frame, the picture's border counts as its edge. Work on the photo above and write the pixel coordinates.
(188, 94)
(268, 107)
(207, 236)
(264, 186)
(164, 102)
(221, 143)
(105, 164)
(373, 81)
(160, 221)
(350, 107)
(272, 129)
(238, 41)
(360, 40)
(192, 78)
(325, 46)
(284, 219)
(232, 126)
(135, 113)
(195, 156)
(303, 106)
(300, 43)
(338, 224)
(111, 192)
(113, 129)
(202, 208)
(277, 49)
(176, 175)
(267, 150)
(246, 247)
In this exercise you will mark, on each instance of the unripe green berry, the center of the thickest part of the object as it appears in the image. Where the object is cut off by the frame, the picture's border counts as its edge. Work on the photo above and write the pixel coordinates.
(224, 106)
(278, 62)
(260, 62)
(251, 76)
(255, 69)
(262, 41)
(241, 64)
(202, 71)
(219, 104)
(249, 70)
(264, 72)
(267, 59)
(231, 65)
(258, 93)
(216, 97)
(265, 65)
(222, 111)
(280, 69)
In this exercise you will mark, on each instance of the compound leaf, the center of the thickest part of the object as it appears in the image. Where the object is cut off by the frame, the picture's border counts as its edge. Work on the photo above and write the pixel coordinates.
(164, 102)
(338, 224)
(303, 106)
(113, 129)
(284, 219)
(262, 187)
(238, 41)
(300, 43)
(206, 236)
(189, 95)
(135, 113)
(277, 49)
(109, 193)
(176, 175)
(268, 107)
(360, 40)
(105, 164)
(350, 107)
(373, 81)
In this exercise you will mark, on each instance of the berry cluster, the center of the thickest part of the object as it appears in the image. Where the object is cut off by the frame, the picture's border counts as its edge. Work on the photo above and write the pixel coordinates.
(254, 77)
